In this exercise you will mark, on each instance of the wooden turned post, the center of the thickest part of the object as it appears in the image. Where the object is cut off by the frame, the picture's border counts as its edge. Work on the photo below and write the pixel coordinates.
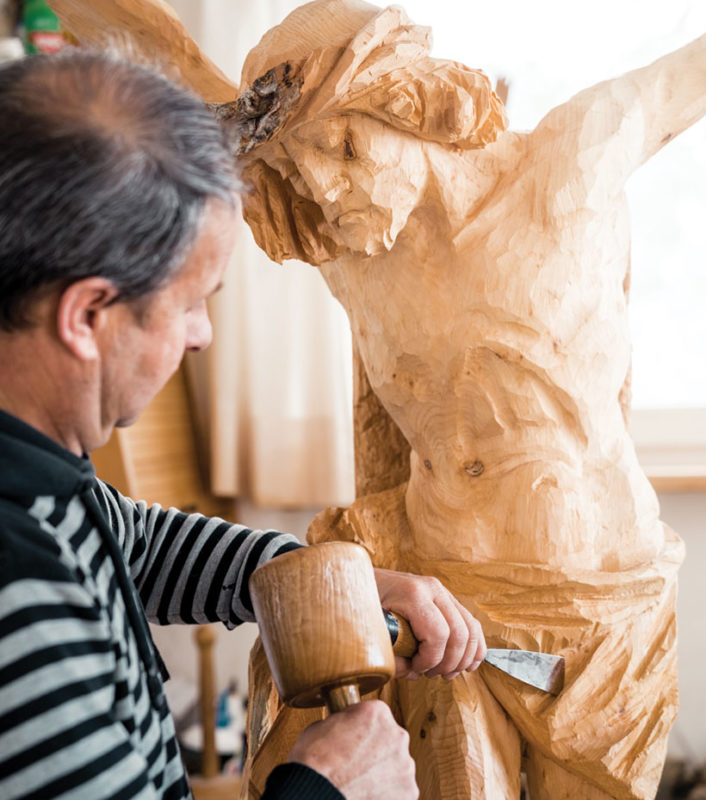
(205, 638)
(322, 626)
(211, 784)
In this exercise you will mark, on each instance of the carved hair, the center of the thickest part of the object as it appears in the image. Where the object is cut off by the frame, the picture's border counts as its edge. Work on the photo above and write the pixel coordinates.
(435, 99)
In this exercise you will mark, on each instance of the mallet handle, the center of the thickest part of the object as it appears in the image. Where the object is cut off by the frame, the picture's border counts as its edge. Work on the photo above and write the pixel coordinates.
(340, 697)
(404, 644)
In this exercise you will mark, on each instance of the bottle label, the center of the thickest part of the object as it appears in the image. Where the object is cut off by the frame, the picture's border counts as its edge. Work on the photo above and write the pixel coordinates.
(46, 42)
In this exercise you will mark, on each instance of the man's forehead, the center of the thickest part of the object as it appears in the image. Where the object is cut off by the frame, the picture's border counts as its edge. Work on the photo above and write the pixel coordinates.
(214, 242)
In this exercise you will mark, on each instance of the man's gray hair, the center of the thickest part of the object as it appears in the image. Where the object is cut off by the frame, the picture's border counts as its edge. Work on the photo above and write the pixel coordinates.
(105, 170)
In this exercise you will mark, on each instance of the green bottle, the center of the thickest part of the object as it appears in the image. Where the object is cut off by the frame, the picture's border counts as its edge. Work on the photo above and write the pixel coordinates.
(42, 32)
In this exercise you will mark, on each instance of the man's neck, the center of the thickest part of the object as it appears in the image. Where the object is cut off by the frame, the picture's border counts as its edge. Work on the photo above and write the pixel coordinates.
(39, 386)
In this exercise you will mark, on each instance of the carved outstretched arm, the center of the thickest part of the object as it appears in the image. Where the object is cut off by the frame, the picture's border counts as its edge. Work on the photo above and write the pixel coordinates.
(599, 137)
(150, 30)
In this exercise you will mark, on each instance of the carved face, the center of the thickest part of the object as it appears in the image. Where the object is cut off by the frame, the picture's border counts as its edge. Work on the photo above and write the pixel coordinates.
(342, 106)
(366, 176)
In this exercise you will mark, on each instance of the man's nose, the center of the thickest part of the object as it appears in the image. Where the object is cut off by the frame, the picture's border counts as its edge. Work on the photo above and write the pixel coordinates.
(200, 332)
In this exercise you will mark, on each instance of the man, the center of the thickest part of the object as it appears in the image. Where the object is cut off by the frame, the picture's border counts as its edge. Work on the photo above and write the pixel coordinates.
(117, 215)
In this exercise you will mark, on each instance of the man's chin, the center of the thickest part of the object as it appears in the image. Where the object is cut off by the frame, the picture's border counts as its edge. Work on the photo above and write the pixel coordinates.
(105, 433)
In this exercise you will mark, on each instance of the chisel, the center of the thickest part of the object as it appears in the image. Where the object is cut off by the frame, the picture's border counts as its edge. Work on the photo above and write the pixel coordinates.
(542, 670)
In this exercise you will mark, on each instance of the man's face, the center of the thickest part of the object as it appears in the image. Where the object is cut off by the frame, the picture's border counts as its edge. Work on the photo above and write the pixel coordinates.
(143, 342)
(366, 176)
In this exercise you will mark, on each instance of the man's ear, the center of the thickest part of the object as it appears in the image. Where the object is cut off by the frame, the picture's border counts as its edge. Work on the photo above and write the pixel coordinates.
(81, 313)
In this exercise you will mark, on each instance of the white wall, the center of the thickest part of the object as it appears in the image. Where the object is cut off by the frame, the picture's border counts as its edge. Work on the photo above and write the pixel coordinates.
(685, 512)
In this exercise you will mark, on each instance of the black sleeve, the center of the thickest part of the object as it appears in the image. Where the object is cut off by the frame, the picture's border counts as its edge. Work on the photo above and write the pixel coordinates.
(189, 568)
(298, 782)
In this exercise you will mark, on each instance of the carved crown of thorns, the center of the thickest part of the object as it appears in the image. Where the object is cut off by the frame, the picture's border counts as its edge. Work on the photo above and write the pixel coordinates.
(372, 61)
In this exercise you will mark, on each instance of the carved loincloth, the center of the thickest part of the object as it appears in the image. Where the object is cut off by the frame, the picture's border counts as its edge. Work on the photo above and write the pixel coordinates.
(608, 726)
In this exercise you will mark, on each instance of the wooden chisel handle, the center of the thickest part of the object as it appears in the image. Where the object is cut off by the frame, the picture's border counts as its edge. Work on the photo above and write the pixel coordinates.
(404, 643)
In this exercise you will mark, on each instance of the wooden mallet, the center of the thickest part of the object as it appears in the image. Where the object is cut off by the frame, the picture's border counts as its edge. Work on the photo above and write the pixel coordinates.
(322, 626)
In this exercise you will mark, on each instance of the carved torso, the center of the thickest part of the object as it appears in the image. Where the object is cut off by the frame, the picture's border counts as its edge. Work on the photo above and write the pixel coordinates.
(502, 362)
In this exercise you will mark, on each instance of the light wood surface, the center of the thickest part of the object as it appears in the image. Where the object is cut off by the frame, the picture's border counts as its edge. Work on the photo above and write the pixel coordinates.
(681, 479)
(205, 637)
(219, 787)
(149, 31)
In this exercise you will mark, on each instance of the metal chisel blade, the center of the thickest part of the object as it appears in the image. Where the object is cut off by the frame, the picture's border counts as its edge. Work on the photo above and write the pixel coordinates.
(541, 670)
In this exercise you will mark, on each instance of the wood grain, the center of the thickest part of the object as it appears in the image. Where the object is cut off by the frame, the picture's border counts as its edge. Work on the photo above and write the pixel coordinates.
(321, 624)
(148, 31)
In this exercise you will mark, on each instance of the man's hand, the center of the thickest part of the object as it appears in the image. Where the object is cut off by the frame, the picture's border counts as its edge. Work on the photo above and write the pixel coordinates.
(362, 751)
(450, 637)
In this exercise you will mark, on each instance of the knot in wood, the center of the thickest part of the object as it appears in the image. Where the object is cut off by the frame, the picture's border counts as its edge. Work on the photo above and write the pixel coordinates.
(427, 463)
(260, 110)
(349, 150)
(475, 469)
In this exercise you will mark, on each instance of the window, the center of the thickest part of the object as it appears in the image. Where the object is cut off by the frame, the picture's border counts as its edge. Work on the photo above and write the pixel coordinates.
(548, 50)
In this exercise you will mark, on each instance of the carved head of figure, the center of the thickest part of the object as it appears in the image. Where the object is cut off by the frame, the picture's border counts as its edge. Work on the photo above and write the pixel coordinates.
(330, 132)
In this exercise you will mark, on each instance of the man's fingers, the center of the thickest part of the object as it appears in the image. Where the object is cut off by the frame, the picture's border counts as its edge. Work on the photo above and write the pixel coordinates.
(403, 669)
(461, 647)
(433, 638)
(450, 638)
(457, 640)
(476, 649)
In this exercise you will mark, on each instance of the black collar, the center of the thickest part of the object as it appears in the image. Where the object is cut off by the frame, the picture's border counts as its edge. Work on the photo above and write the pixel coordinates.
(32, 464)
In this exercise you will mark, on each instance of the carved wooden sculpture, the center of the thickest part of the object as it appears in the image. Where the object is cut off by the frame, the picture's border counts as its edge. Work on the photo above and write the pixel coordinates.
(484, 273)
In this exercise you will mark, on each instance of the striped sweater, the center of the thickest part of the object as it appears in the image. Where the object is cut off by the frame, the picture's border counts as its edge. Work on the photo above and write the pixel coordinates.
(82, 707)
